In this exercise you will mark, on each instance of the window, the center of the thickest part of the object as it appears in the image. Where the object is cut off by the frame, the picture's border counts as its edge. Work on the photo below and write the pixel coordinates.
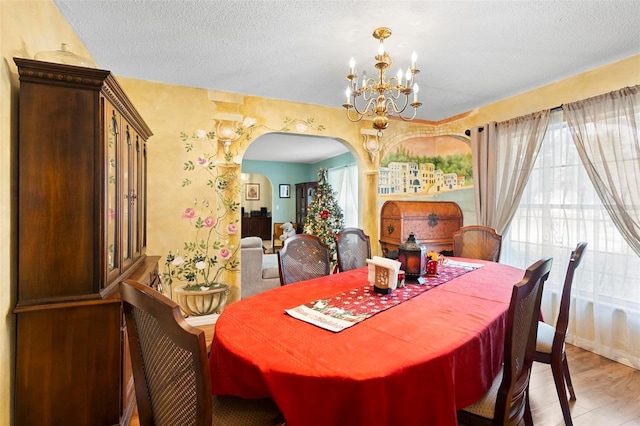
(344, 181)
(559, 208)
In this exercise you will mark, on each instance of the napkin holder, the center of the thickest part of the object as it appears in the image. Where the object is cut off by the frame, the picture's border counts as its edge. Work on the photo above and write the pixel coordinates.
(383, 274)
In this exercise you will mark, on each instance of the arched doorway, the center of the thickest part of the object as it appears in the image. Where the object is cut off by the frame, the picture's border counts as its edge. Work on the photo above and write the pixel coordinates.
(287, 159)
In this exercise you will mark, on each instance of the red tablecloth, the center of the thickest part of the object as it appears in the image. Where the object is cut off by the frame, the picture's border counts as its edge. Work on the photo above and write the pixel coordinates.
(413, 364)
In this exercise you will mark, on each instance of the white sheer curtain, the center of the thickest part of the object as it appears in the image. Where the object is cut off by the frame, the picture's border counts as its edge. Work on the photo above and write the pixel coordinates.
(503, 155)
(605, 130)
(344, 181)
(559, 208)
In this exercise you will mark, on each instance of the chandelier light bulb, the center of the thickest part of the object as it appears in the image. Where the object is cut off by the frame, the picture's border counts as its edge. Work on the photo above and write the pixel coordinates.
(416, 89)
(414, 58)
(400, 77)
(352, 65)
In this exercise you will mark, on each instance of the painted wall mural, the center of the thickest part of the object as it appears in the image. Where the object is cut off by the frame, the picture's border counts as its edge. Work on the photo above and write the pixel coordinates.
(206, 245)
(429, 168)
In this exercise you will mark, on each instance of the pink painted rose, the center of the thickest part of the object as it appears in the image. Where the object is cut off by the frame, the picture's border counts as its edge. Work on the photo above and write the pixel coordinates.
(202, 162)
(232, 229)
(225, 253)
(209, 222)
(189, 213)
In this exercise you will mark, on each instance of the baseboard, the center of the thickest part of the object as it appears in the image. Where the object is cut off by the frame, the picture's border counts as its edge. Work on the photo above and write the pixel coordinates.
(197, 321)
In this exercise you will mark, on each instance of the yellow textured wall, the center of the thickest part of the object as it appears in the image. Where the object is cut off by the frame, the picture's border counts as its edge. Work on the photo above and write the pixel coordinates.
(170, 110)
(582, 86)
(26, 28)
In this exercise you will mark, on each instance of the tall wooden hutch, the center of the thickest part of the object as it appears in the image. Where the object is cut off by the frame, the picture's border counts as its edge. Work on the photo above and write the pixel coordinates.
(81, 230)
(304, 195)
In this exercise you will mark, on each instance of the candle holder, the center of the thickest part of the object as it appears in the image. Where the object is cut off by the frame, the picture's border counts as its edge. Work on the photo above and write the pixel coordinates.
(412, 258)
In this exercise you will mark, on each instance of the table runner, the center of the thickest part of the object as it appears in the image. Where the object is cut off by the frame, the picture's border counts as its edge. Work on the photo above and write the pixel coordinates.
(348, 308)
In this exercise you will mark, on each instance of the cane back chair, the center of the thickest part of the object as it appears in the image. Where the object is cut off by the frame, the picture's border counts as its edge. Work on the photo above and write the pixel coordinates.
(353, 248)
(171, 370)
(550, 340)
(303, 257)
(507, 401)
(477, 242)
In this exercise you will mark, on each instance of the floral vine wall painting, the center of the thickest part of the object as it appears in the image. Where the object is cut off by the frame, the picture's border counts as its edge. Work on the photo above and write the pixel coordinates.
(211, 249)
(204, 258)
(209, 256)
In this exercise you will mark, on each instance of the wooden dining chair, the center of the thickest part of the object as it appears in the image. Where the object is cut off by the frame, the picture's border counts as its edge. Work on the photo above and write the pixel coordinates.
(171, 370)
(550, 340)
(353, 248)
(477, 242)
(303, 257)
(507, 401)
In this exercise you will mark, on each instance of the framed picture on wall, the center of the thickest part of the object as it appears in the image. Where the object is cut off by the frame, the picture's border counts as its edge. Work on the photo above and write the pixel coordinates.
(285, 191)
(252, 192)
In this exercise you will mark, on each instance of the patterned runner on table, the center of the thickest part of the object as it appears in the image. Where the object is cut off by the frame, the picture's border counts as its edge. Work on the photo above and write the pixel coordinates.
(350, 307)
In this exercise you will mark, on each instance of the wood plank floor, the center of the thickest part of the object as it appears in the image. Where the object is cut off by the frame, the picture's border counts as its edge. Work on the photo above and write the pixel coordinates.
(607, 392)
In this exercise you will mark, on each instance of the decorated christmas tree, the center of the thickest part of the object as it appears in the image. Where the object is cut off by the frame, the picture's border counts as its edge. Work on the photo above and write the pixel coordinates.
(324, 215)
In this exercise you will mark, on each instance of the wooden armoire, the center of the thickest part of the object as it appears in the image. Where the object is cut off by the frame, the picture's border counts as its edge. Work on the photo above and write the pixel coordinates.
(82, 213)
(304, 196)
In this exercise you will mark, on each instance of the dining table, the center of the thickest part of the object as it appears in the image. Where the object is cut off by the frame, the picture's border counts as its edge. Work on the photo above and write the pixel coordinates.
(414, 363)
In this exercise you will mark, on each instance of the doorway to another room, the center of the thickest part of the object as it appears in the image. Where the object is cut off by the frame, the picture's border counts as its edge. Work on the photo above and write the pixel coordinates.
(256, 207)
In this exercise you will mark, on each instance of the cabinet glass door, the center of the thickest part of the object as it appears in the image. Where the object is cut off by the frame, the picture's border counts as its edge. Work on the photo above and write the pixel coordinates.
(112, 119)
(136, 190)
(143, 199)
(128, 198)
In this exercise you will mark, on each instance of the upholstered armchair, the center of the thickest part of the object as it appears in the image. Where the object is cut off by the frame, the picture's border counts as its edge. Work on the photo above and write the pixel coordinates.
(258, 271)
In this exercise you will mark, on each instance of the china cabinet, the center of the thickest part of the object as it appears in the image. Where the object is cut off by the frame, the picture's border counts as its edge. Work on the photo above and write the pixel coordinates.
(82, 215)
(304, 195)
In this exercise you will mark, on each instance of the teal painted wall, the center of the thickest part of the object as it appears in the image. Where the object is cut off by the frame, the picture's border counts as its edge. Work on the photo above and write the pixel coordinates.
(284, 209)
(337, 161)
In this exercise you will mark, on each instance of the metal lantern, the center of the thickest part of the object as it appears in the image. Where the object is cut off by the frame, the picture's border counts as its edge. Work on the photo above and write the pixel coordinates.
(412, 256)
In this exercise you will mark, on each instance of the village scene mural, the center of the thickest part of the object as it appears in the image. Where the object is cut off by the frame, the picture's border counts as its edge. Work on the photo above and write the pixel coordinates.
(429, 168)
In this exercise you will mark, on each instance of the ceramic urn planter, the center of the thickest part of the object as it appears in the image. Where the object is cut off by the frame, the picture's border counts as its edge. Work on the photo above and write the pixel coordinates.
(202, 302)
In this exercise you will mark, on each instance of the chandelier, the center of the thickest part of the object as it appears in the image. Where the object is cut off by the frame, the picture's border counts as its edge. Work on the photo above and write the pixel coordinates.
(377, 97)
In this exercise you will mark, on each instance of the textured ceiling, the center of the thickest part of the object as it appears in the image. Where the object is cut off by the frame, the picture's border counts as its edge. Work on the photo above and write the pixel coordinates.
(470, 53)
